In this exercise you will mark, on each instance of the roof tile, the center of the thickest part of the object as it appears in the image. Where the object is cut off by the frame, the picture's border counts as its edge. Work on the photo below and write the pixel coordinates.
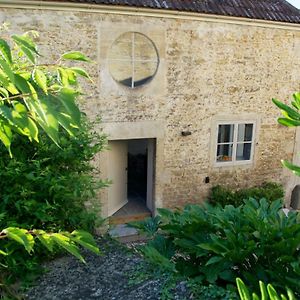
(274, 10)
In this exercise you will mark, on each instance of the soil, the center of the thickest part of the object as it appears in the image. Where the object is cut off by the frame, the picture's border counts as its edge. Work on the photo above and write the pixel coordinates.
(106, 277)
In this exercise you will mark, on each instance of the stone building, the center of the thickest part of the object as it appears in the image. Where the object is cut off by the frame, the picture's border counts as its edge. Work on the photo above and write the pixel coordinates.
(183, 88)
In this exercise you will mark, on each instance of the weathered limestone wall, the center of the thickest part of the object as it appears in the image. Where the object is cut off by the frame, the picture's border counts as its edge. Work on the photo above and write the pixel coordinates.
(206, 70)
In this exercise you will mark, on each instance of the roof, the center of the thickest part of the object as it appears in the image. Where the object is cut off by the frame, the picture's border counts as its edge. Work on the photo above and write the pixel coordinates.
(271, 10)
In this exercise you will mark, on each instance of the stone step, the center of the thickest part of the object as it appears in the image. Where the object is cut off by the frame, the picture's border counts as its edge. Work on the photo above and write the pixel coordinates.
(126, 234)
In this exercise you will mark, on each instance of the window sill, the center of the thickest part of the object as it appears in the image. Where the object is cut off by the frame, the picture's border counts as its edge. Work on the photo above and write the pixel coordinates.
(248, 163)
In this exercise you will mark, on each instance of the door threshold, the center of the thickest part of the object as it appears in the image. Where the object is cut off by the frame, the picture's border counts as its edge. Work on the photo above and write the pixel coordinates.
(116, 220)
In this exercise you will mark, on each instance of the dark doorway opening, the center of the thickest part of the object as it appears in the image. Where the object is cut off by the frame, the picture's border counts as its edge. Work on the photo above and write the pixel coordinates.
(140, 172)
(137, 171)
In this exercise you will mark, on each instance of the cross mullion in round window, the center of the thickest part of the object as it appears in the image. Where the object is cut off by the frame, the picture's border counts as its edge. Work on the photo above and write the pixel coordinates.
(133, 59)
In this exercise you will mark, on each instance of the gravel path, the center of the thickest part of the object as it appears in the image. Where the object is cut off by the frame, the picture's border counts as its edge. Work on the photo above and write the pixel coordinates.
(104, 277)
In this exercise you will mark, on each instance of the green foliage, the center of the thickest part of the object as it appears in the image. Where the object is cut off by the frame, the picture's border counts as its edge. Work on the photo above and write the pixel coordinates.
(66, 240)
(148, 226)
(211, 292)
(267, 293)
(36, 96)
(221, 195)
(45, 187)
(291, 118)
(14, 240)
(47, 176)
(216, 245)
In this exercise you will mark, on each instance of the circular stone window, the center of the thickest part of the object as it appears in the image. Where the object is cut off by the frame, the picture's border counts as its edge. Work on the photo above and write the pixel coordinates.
(133, 59)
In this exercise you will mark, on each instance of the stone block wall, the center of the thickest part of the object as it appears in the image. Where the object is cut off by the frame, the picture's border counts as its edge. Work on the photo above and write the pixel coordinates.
(207, 69)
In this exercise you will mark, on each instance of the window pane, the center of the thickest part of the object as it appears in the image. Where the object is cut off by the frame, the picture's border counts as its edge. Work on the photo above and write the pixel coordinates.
(243, 151)
(245, 132)
(225, 133)
(122, 48)
(121, 72)
(143, 72)
(224, 152)
(144, 49)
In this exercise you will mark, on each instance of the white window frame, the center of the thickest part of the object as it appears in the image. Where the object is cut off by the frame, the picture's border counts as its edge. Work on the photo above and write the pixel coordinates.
(234, 161)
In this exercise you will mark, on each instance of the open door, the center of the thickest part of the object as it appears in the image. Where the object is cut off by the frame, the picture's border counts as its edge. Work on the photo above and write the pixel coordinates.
(150, 173)
(117, 191)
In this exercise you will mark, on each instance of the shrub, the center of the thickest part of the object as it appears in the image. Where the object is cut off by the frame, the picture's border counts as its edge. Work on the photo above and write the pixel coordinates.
(216, 245)
(211, 292)
(271, 191)
(45, 187)
(42, 187)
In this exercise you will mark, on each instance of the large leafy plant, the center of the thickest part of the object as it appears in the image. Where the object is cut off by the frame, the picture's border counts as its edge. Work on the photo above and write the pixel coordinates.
(38, 104)
(35, 96)
(290, 118)
(216, 245)
(266, 292)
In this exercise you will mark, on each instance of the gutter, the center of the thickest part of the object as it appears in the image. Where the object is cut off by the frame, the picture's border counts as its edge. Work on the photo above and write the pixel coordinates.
(145, 12)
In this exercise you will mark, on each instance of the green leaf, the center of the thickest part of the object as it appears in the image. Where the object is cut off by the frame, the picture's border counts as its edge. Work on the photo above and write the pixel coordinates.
(21, 236)
(13, 117)
(290, 166)
(66, 243)
(3, 253)
(45, 116)
(255, 297)
(63, 76)
(75, 55)
(86, 240)
(40, 79)
(288, 122)
(26, 42)
(227, 275)
(18, 118)
(33, 130)
(22, 84)
(30, 55)
(296, 97)
(155, 257)
(263, 291)
(243, 291)
(7, 70)
(67, 98)
(45, 239)
(80, 72)
(4, 92)
(5, 51)
(71, 76)
(3, 79)
(66, 122)
(12, 89)
(6, 137)
(290, 294)
(272, 293)
(291, 112)
(213, 260)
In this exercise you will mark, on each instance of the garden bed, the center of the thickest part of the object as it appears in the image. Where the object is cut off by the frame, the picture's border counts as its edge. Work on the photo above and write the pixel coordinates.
(106, 277)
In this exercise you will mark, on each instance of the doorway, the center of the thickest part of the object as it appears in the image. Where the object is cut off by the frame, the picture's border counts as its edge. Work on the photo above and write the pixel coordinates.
(137, 171)
(131, 165)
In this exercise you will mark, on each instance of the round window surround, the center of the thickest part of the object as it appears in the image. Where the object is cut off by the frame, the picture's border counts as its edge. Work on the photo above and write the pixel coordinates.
(133, 59)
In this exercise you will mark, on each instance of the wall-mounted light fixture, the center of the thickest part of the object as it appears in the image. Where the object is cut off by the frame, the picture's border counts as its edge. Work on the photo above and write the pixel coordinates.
(186, 133)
